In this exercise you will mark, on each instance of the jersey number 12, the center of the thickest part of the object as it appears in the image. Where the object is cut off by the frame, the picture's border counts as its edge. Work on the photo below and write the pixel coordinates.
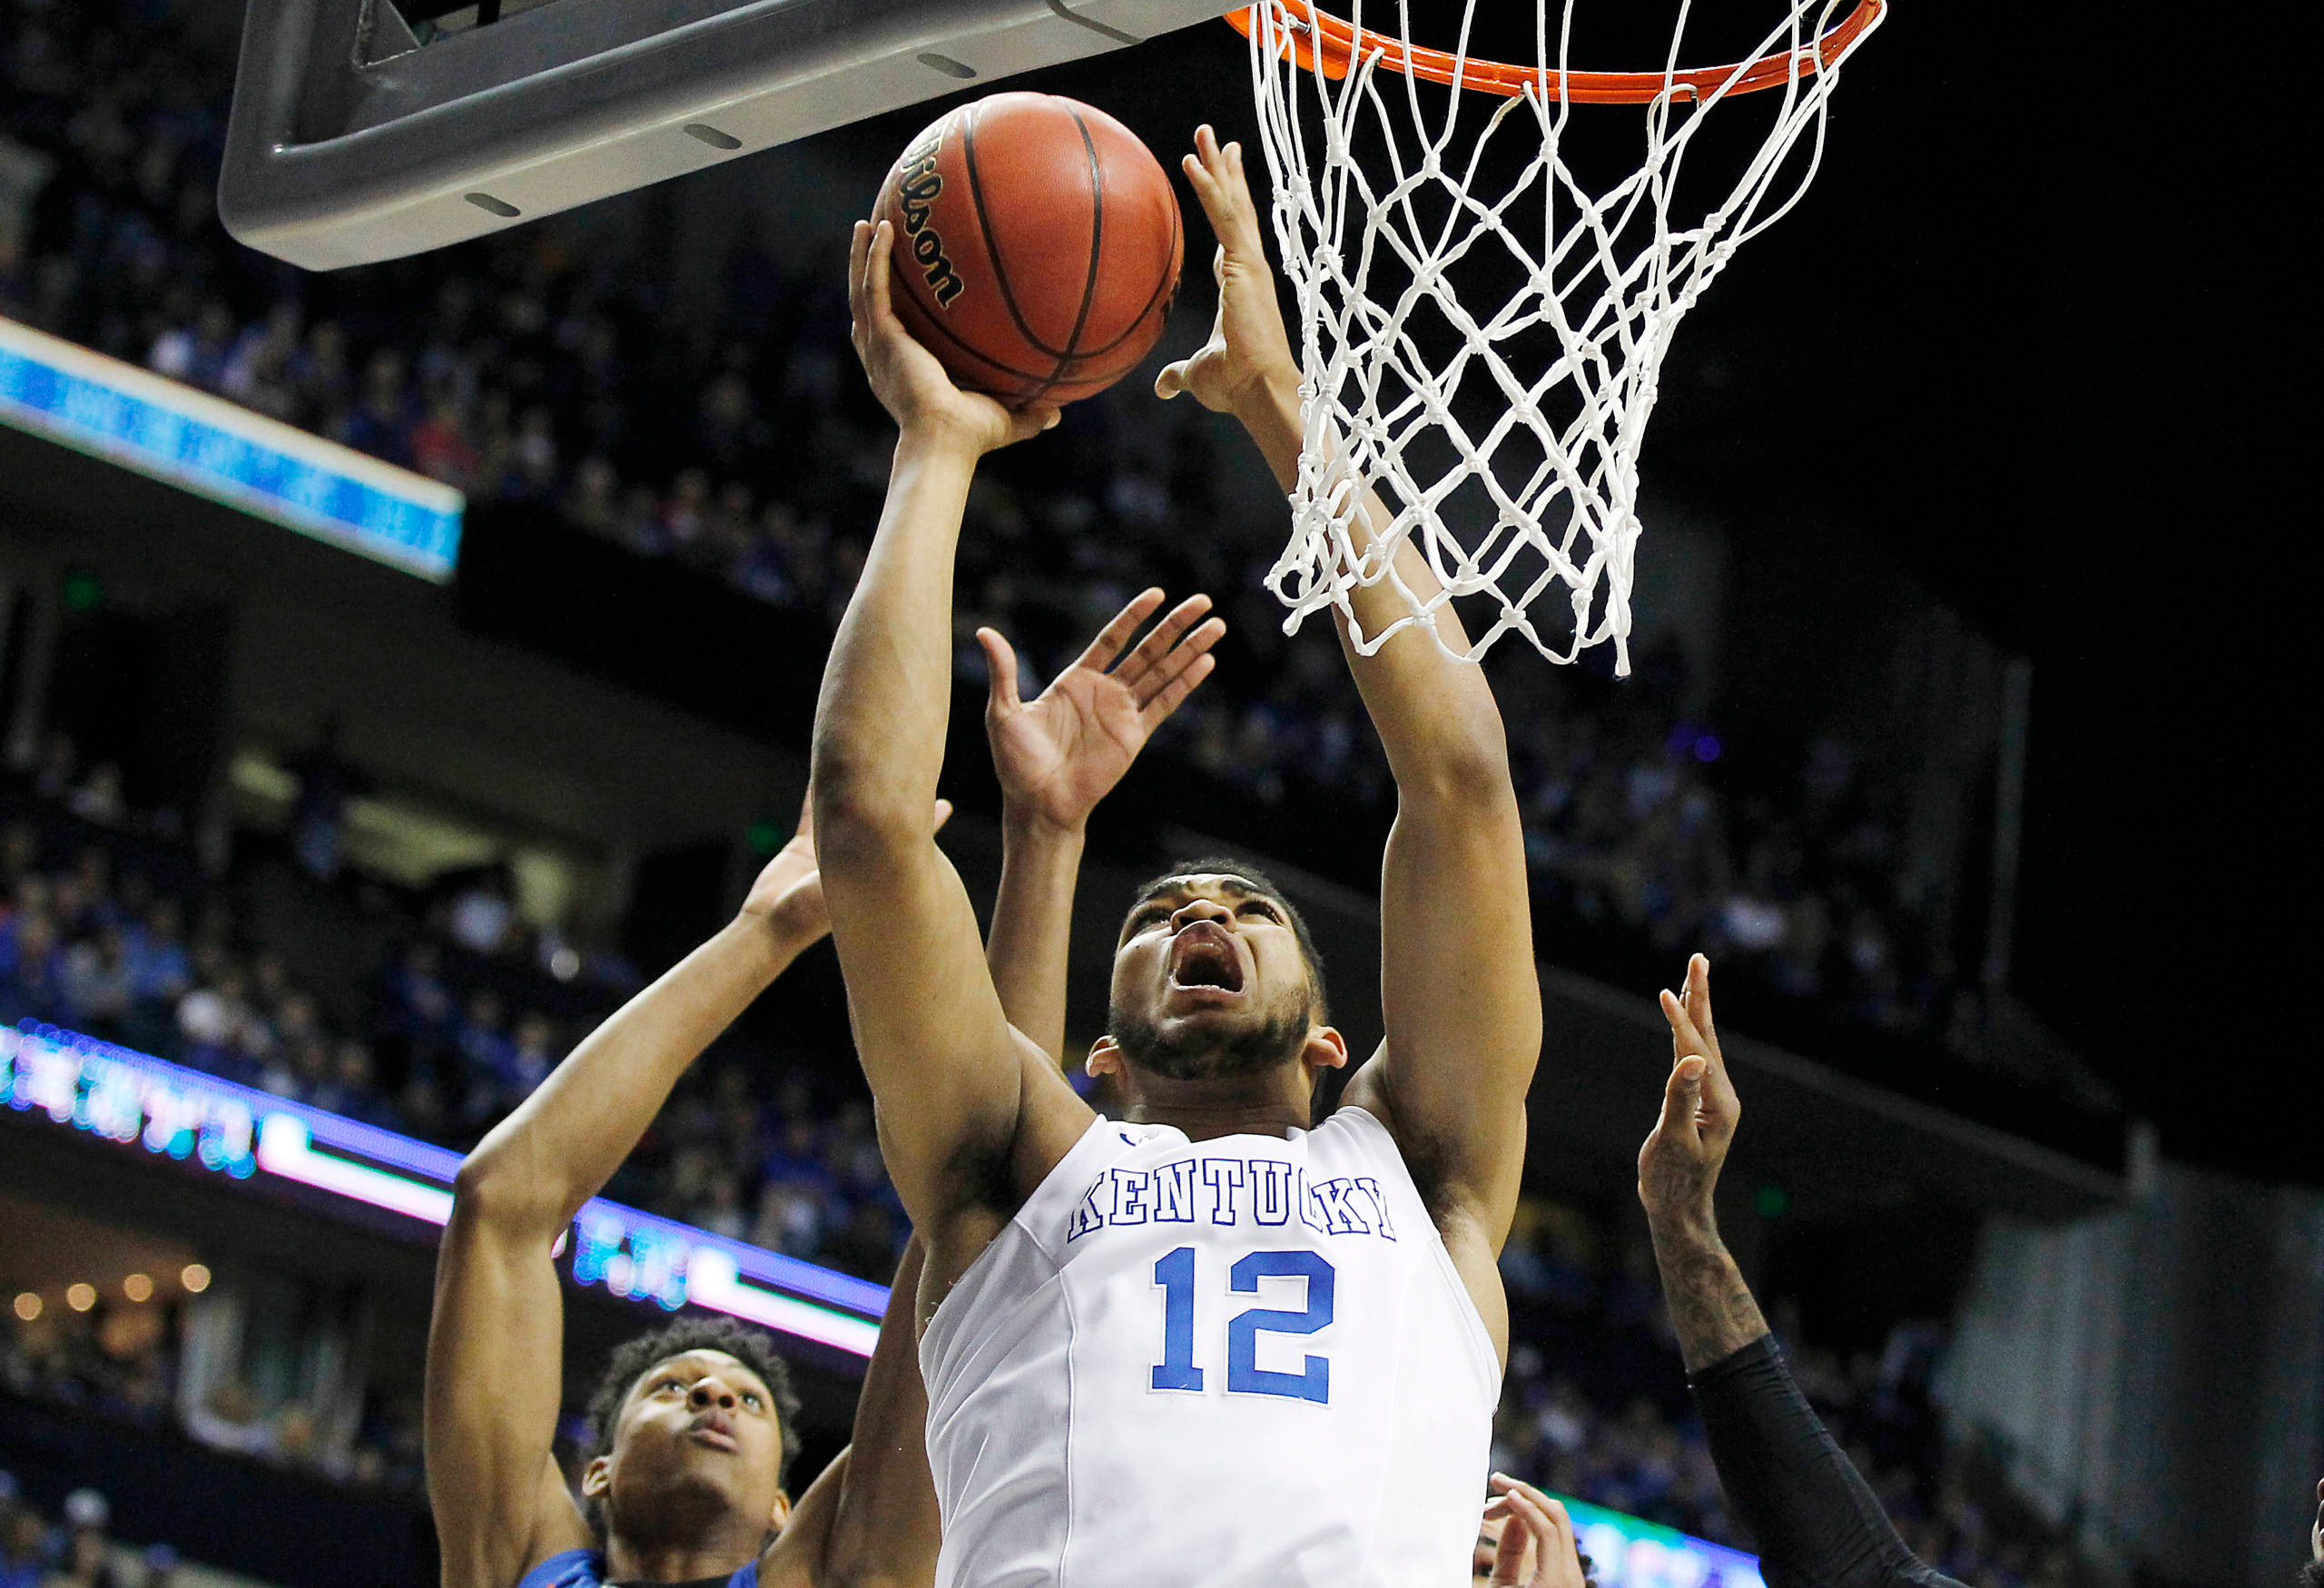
(1174, 1274)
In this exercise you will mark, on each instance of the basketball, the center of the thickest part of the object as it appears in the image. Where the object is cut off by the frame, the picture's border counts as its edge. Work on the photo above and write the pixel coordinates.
(1036, 247)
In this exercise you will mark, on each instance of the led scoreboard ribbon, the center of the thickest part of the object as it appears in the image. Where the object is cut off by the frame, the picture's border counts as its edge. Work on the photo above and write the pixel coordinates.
(204, 444)
(244, 1134)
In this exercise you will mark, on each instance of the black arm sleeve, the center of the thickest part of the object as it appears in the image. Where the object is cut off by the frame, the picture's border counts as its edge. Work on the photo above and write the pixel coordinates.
(1817, 1523)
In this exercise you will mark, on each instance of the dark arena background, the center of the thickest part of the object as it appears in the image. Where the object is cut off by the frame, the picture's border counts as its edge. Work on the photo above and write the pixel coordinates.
(333, 814)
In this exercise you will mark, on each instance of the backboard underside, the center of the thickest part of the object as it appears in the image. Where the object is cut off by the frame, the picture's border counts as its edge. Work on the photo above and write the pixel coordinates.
(352, 142)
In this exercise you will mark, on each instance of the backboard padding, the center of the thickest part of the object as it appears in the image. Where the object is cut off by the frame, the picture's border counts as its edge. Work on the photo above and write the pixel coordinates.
(352, 143)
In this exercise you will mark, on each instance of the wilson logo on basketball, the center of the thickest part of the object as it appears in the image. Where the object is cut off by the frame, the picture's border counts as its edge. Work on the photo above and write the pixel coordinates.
(918, 191)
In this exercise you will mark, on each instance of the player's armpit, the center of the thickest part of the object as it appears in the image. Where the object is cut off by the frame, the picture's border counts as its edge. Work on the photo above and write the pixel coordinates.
(945, 1067)
(500, 1503)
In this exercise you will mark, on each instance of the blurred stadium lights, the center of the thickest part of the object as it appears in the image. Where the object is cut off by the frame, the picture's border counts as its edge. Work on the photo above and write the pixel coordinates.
(85, 1084)
(1627, 1553)
(206, 445)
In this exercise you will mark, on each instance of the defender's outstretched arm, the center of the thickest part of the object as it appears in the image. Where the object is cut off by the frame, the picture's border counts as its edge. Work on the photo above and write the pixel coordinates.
(1817, 1523)
(1057, 757)
(945, 1067)
(1460, 994)
(495, 1343)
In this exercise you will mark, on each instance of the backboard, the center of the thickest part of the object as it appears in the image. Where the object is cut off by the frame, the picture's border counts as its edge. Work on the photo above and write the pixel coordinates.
(363, 130)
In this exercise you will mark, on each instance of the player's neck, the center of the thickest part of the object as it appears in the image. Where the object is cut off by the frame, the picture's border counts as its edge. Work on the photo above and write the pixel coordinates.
(715, 1553)
(1273, 1104)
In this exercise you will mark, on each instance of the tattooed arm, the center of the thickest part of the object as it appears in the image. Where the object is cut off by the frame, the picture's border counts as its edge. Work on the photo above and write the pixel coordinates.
(1677, 1168)
(1712, 1308)
(1817, 1523)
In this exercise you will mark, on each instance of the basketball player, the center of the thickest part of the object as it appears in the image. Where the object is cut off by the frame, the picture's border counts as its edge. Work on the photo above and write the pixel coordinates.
(1207, 1344)
(692, 1422)
(1817, 1523)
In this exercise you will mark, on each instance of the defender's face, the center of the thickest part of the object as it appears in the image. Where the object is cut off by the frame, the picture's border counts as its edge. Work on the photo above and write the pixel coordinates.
(1208, 955)
(699, 1431)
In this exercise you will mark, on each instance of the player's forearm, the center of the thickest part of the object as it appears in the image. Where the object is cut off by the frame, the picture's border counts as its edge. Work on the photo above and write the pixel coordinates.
(565, 1141)
(1270, 415)
(1712, 1308)
(887, 1530)
(1032, 925)
(1815, 1521)
(887, 693)
(1435, 716)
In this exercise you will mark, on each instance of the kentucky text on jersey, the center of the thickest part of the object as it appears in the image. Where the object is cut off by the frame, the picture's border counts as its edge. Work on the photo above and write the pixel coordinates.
(1255, 1191)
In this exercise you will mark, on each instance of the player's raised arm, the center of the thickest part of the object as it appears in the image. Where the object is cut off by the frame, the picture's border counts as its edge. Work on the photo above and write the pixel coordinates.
(495, 1357)
(1460, 994)
(1818, 1523)
(1056, 756)
(945, 1068)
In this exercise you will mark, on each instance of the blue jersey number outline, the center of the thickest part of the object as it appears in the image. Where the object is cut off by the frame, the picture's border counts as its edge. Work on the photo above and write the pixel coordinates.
(1174, 1275)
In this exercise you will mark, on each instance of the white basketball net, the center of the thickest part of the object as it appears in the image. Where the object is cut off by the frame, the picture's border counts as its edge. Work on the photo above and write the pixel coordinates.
(1359, 181)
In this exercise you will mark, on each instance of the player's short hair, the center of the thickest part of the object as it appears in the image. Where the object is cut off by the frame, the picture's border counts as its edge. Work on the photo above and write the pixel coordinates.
(2311, 1575)
(634, 1359)
(1265, 887)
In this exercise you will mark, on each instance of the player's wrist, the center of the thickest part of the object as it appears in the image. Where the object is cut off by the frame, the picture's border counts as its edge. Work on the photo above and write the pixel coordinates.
(774, 937)
(1270, 398)
(937, 437)
(1027, 821)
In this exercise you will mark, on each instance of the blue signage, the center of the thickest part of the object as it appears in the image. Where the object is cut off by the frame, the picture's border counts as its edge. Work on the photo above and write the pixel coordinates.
(140, 420)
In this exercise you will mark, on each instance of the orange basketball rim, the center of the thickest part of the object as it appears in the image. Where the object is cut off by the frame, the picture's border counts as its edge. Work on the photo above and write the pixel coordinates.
(1332, 47)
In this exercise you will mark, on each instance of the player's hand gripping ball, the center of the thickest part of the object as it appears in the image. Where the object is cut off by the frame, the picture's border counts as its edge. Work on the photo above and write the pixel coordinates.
(1036, 247)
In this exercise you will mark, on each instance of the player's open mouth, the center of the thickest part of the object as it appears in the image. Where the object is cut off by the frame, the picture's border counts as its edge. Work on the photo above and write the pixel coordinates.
(1203, 957)
(714, 1432)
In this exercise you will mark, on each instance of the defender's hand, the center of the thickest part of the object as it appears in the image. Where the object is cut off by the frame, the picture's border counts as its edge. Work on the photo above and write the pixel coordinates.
(905, 377)
(788, 895)
(1059, 755)
(1248, 356)
(1534, 1519)
(1677, 1168)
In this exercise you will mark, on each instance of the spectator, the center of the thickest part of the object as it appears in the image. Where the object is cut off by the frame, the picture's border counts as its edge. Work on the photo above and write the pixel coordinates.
(483, 912)
(24, 1547)
(319, 810)
(85, 1560)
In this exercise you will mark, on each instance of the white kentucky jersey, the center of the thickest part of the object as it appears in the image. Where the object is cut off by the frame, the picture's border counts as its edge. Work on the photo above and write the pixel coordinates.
(1239, 1363)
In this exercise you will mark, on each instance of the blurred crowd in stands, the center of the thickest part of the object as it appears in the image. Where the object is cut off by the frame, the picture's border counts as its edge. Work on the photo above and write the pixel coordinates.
(77, 1550)
(525, 370)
